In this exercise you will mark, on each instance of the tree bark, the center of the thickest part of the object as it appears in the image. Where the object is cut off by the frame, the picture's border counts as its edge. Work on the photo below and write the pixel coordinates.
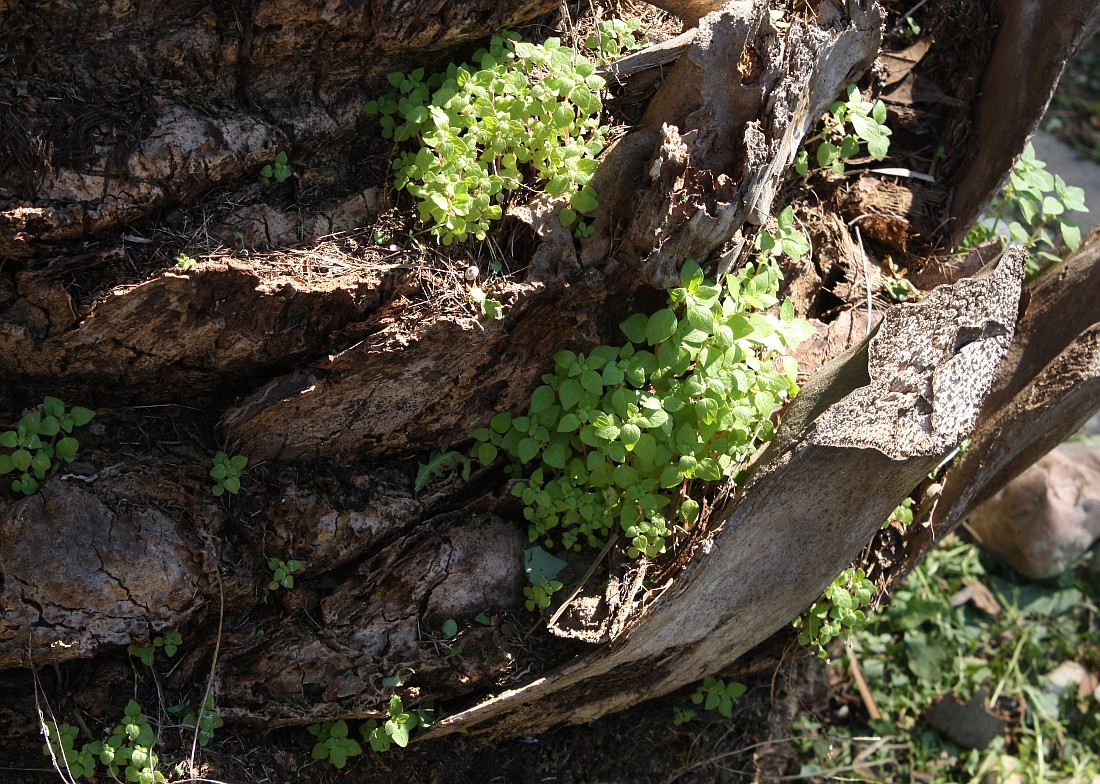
(332, 386)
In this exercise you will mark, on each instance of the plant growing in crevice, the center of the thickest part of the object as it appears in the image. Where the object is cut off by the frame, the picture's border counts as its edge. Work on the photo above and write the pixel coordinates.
(40, 442)
(622, 438)
(227, 473)
(278, 170)
(282, 573)
(438, 462)
(207, 719)
(127, 753)
(396, 729)
(837, 142)
(541, 569)
(169, 642)
(520, 107)
(716, 694)
(839, 611)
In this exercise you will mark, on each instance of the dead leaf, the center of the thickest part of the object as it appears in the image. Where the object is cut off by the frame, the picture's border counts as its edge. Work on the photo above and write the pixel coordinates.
(979, 595)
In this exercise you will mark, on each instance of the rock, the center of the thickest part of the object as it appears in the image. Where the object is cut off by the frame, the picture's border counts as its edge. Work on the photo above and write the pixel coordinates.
(1066, 675)
(1044, 520)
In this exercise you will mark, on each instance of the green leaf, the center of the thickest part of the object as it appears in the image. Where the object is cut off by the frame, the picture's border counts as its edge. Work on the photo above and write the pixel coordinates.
(21, 459)
(527, 449)
(1071, 235)
(450, 628)
(570, 393)
(556, 455)
(569, 423)
(9, 438)
(542, 399)
(660, 327)
(635, 327)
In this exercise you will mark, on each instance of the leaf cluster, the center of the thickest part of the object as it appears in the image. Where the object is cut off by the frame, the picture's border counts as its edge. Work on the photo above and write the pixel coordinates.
(786, 240)
(851, 124)
(614, 38)
(716, 694)
(127, 754)
(282, 573)
(623, 437)
(1040, 200)
(839, 611)
(333, 744)
(207, 719)
(169, 642)
(520, 107)
(227, 473)
(438, 462)
(278, 170)
(396, 729)
(38, 444)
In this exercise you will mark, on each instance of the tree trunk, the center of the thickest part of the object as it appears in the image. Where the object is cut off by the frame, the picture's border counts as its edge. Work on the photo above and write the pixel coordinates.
(137, 131)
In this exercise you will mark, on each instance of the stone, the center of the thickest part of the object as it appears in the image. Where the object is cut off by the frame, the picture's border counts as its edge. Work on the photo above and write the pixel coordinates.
(1044, 520)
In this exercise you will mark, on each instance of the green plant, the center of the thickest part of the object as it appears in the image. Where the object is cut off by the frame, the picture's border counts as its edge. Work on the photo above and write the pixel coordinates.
(903, 513)
(38, 450)
(716, 694)
(333, 744)
(169, 642)
(682, 716)
(208, 719)
(622, 438)
(839, 611)
(614, 38)
(282, 573)
(439, 461)
(184, 262)
(1040, 200)
(786, 241)
(489, 307)
(523, 106)
(60, 746)
(836, 143)
(278, 170)
(227, 473)
(541, 569)
(1003, 641)
(396, 729)
(539, 595)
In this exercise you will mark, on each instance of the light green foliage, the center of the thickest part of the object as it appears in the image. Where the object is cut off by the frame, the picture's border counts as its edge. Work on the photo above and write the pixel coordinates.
(1041, 201)
(614, 38)
(682, 716)
(37, 443)
(184, 262)
(623, 437)
(519, 107)
(899, 289)
(716, 694)
(903, 513)
(227, 473)
(60, 745)
(282, 573)
(488, 307)
(786, 241)
(924, 645)
(208, 721)
(839, 611)
(126, 756)
(333, 744)
(396, 729)
(853, 122)
(539, 594)
(169, 642)
(439, 461)
(279, 170)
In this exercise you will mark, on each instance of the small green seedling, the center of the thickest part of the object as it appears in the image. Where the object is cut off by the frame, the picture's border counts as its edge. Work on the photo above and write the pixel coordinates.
(333, 744)
(169, 642)
(278, 171)
(438, 463)
(682, 716)
(282, 573)
(786, 241)
(396, 729)
(541, 568)
(208, 722)
(903, 513)
(38, 449)
(538, 596)
(227, 473)
(488, 307)
(836, 143)
(184, 262)
(614, 38)
(839, 611)
(131, 746)
(716, 694)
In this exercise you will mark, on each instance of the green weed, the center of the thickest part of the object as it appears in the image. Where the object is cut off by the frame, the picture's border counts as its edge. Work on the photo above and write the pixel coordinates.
(38, 444)
(836, 142)
(227, 473)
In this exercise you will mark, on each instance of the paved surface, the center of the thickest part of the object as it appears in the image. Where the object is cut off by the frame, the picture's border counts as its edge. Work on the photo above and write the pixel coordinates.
(1063, 160)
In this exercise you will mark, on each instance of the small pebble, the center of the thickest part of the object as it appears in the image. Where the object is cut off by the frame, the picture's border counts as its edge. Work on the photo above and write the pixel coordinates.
(471, 273)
